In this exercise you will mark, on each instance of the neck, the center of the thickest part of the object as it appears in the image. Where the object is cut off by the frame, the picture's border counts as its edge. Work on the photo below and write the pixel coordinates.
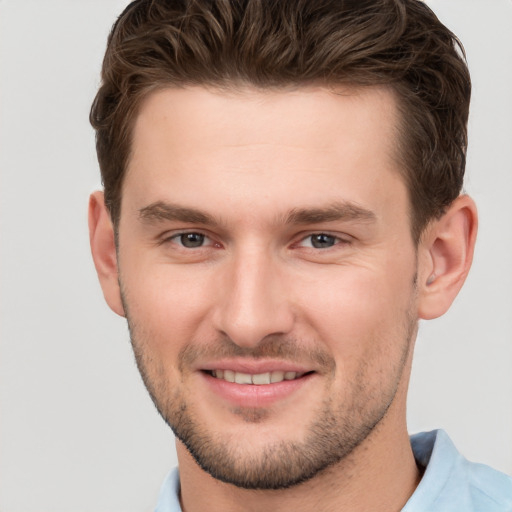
(380, 474)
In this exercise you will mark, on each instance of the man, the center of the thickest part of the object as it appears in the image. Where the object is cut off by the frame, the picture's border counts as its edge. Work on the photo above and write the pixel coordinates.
(282, 205)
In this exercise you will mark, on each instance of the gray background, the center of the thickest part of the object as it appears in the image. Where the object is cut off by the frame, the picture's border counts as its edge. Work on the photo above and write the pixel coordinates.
(78, 432)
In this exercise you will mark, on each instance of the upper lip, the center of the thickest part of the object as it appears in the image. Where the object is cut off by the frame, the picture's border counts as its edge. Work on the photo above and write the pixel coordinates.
(255, 366)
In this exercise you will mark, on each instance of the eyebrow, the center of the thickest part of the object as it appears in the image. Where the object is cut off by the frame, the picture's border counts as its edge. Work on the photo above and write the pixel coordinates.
(339, 211)
(346, 211)
(160, 211)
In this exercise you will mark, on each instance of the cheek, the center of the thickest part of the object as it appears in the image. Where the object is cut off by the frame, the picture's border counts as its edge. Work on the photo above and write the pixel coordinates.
(168, 303)
(360, 313)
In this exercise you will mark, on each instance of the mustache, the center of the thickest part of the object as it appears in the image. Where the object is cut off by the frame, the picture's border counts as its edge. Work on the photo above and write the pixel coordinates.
(272, 347)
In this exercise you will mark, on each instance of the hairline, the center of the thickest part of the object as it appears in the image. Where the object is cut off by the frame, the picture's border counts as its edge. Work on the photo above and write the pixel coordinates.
(240, 87)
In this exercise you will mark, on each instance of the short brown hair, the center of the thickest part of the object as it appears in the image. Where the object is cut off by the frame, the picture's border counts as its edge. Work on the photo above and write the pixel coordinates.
(277, 43)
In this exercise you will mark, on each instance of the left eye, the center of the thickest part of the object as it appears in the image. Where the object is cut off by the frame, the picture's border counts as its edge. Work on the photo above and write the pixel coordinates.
(320, 241)
(190, 240)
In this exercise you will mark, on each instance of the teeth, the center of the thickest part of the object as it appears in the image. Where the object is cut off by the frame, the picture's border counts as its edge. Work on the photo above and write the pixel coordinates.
(276, 376)
(229, 375)
(262, 378)
(259, 379)
(243, 378)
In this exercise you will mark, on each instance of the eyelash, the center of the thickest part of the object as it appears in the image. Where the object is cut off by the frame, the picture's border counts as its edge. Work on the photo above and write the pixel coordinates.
(336, 240)
(177, 236)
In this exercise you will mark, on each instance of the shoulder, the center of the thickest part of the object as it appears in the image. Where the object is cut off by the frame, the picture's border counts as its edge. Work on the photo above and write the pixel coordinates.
(491, 490)
(452, 483)
(168, 500)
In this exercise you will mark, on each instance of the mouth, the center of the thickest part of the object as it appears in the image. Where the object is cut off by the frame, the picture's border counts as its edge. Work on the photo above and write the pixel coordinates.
(253, 384)
(258, 379)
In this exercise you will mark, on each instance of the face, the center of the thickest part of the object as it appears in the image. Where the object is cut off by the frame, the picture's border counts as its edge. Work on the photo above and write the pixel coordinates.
(267, 273)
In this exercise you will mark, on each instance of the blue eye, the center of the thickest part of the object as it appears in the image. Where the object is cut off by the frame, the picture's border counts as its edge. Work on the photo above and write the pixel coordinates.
(191, 240)
(322, 241)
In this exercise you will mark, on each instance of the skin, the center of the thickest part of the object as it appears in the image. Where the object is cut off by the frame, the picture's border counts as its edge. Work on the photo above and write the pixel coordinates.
(260, 174)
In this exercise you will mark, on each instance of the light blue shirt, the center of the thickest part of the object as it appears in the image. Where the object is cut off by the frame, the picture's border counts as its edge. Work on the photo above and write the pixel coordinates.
(450, 482)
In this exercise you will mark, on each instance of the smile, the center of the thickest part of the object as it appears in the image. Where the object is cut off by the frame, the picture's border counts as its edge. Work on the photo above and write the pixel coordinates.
(259, 379)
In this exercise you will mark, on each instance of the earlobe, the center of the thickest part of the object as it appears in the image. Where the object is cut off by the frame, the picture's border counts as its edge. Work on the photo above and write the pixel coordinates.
(103, 248)
(446, 254)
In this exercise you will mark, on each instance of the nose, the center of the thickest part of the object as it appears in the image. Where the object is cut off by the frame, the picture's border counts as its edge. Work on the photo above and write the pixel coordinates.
(253, 302)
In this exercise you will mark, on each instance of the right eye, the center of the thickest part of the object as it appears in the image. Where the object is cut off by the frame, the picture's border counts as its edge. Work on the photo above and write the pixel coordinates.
(191, 240)
(320, 241)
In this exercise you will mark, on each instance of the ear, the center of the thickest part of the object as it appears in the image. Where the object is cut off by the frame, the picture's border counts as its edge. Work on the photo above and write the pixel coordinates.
(446, 252)
(103, 248)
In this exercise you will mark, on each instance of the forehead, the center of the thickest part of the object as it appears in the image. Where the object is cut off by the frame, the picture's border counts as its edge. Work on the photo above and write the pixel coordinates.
(203, 117)
(248, 145)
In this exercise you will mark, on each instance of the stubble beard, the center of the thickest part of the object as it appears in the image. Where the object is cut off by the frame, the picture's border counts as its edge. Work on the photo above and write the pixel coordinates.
(337, 430)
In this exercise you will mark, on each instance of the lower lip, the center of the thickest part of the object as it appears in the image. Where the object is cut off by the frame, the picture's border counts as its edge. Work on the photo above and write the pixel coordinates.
(251, 395)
